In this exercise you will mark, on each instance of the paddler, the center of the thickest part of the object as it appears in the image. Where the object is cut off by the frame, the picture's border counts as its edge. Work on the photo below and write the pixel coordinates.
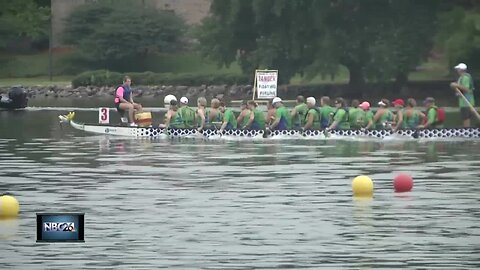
(367, 116)
(282, 117)
(464, 85)
(257, 118)
(412, 117)
(213, 114)
(326, 112)
(432, 115)
(340, 118)
(201, 111)
(355, 115)
(124, 100)
(173, 118)
(244, 116)
(312, 115)
(398, 104)
(270, 113)
(229, 120)
(299, 112)
(187, 114)
(383, 117)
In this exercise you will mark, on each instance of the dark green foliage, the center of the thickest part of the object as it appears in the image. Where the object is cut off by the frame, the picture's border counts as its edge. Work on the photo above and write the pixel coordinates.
(116, 36)
(374, 39)
(108, 78)
(459, 36)
(22, 19)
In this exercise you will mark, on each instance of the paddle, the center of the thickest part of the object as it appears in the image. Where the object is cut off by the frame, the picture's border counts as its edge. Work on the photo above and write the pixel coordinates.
(469, 104)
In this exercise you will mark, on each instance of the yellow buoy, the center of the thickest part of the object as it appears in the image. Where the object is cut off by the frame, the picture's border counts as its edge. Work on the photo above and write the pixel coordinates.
(9, 207)
(362, 186)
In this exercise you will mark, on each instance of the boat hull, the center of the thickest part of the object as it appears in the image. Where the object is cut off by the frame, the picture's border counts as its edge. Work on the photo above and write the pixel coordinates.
(151, 132)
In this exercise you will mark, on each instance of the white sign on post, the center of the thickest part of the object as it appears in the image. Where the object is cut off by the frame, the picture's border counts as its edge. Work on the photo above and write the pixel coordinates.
(104, 115)
(266, 83)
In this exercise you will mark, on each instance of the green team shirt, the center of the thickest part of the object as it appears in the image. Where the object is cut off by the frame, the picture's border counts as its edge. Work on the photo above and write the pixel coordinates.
(176, 121)
(432, 117)
(356, 117)
(316, 118)
(229, 117)
(258, 118)
(299, 118)
(282, 114)
(369, 117)
(342, 117)
(326, 113)
(412, 120)
(466, 81)
(188, 116)
(246, 118)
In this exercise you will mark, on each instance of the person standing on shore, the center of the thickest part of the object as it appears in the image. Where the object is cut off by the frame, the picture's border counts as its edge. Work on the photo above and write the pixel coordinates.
(466, 87)
(124, 100)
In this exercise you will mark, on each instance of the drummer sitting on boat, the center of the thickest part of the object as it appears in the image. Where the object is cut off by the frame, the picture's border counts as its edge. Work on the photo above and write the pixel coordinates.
(124, 101)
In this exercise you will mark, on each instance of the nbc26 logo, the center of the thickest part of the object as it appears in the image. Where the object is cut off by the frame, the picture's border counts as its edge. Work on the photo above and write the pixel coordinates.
(59, 227)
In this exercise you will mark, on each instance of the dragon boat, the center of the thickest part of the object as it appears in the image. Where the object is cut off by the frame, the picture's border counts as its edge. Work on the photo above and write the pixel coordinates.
(154, 132)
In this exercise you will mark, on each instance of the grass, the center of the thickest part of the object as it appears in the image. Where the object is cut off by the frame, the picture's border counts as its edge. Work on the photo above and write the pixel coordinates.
(36, 81)
(32, 69)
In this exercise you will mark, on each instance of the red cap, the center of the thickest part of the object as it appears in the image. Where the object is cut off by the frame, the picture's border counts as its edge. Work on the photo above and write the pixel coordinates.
(398, 102)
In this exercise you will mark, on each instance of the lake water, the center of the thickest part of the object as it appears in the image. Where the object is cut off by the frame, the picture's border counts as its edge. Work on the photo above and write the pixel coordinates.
(193, 204)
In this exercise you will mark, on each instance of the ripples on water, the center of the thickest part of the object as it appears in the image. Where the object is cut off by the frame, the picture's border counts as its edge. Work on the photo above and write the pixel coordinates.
(191, 204)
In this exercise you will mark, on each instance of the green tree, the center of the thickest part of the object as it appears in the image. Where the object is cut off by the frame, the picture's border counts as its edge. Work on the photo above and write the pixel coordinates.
(23, 18)
(459, 35)
(108, 36)
(374, 39)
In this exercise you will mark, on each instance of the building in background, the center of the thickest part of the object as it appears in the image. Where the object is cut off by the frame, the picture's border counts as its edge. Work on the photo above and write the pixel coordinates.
(193, 11)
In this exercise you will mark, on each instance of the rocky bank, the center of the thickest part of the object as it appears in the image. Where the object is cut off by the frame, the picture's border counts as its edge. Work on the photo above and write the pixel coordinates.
(419, 90)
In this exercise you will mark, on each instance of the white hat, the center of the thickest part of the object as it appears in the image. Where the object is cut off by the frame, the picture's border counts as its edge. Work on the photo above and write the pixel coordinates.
(184, 100)
(311, 100)
(381, 103)
(461, 66)
(275, 100)
(169, 98)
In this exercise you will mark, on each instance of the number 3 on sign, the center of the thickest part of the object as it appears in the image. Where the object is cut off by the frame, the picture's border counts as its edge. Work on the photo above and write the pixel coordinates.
(104, 115)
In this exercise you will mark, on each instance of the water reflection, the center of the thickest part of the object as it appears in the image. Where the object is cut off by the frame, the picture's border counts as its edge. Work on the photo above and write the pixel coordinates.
(241, 204)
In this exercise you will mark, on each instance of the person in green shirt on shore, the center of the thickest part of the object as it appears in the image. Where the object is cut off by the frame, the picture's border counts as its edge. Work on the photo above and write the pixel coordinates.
(340, 118)
(312, 117)
(355, 115)
(282, 117)
(299, 112)
(466, 87)
(244, 115)
(256, 120)
(187, 114)
(326, 112)
(432, 114)
(229, 119)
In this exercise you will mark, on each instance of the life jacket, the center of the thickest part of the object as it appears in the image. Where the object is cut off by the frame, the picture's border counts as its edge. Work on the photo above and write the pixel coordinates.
(316, 123)
(346, 118)
(127, 92)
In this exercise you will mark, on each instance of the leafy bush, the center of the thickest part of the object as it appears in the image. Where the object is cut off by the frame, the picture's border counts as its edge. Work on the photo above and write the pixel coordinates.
(108, 78)
(112, 36)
